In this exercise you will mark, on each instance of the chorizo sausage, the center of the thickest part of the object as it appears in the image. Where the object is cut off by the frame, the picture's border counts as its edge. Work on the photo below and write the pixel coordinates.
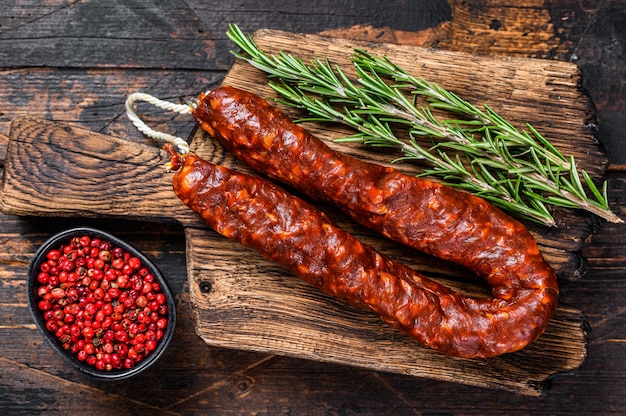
(428, 216)
(290, 231)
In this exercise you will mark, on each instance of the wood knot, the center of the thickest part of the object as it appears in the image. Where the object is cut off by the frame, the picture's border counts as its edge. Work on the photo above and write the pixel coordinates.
(495, 24)
(206, 286)
(242, 386)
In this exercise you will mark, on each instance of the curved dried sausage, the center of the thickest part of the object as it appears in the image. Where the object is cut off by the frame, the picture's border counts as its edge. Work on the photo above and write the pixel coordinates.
(422, 214)
(283, 228)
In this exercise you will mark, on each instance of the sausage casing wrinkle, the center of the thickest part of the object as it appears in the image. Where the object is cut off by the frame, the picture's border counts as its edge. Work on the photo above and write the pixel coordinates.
(433, 218)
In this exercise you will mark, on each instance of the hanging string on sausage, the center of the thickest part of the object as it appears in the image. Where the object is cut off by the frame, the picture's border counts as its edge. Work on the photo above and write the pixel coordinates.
(131, 111)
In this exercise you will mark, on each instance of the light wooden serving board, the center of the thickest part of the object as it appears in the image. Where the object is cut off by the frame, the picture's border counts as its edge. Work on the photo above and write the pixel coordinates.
(245, 302)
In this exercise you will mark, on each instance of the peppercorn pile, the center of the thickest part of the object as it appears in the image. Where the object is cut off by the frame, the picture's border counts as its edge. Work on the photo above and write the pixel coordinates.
(102, 303)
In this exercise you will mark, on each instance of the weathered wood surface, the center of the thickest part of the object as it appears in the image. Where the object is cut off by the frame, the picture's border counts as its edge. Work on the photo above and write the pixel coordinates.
(87, 88)
(241, 300)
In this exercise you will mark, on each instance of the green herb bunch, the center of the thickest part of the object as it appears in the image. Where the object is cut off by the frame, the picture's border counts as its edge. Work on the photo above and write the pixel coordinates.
(519, 171)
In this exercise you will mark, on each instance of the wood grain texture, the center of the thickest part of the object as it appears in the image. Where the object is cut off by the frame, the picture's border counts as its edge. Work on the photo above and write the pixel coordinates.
(234, 298)
(498, 27)
(241, 300)
(60, 170)
(524, 89)
(191, 376)
(587, 34)
(94, 99)
(195, 378)
(234, 310)
(174, 33)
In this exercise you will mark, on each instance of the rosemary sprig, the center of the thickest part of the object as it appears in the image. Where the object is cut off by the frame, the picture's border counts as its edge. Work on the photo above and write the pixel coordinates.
(519, 171)
(375, 132)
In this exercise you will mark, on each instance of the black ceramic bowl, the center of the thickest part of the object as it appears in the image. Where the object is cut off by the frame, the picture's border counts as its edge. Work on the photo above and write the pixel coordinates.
(64, 238)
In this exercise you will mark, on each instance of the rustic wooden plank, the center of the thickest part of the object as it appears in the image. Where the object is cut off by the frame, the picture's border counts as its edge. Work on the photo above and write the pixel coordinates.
(79, 171)
(520, 89)
(95, 98)
(606, 255)
(133, 34)
(234, 312)
(252, 304)
(566, 337)
(180, 34)
(584, 33)
(292, 386)
(501, 27)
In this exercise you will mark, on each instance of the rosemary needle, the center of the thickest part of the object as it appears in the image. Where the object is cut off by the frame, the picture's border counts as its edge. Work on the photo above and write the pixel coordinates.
(517, 170)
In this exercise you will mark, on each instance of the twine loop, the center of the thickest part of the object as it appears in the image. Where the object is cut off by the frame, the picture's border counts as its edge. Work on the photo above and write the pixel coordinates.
(131, 112)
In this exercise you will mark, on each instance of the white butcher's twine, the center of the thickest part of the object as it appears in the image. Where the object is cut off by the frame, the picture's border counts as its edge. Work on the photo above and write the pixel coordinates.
(131, 112)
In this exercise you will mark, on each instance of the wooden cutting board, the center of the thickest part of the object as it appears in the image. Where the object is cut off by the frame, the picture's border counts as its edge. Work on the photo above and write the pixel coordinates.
(243, 301)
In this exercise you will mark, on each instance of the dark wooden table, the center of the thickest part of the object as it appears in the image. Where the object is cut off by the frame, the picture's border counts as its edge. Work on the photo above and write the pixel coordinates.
(77, 61)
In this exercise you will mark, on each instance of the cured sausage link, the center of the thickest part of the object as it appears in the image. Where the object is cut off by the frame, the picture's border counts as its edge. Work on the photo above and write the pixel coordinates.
(283, 228)
(433, 218)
